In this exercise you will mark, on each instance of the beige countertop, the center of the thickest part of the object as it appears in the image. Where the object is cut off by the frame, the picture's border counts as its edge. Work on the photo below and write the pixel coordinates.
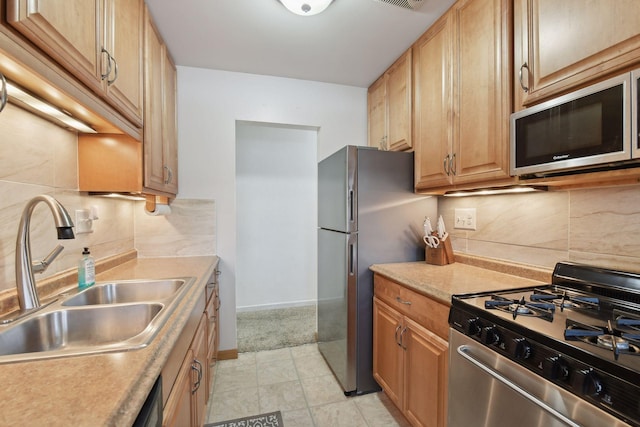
(105, 389)
(441, 282)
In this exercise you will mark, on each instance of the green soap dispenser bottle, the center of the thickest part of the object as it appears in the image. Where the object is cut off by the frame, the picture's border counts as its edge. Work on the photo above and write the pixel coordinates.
(86, 270)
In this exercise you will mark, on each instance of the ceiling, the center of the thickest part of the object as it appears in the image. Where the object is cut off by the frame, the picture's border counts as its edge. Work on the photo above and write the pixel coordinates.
(351, 43)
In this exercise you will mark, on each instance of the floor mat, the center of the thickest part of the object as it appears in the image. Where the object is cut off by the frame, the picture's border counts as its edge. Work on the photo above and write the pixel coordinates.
(272, 419)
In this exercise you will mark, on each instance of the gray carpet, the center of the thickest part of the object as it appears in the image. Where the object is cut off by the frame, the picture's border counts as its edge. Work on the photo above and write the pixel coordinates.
(278, 328)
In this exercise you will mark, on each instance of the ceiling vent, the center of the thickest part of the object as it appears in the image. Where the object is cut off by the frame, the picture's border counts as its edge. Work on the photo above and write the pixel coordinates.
(407, 4)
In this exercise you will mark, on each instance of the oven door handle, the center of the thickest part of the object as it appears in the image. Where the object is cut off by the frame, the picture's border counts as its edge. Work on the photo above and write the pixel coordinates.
(465, 352)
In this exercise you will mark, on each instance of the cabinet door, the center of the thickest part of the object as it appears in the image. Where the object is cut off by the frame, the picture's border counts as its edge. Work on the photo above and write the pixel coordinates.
(177, 411)
(425, 386)
(160, 128)
(387, 354)
(153, 144)
(567, 43)
(482, 70)
(432, 111)
(199, 373)
(170, 126)
(399, 94)
(124, 32)
(69, 31)
(377, 105)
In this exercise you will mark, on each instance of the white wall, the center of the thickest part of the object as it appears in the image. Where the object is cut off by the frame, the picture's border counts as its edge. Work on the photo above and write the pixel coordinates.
(209, 104)
(276, 207)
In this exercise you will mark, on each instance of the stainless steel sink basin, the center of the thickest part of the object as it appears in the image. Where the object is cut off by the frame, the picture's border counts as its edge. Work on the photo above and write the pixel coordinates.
(126, 292)
(71, 330)
(108, 317)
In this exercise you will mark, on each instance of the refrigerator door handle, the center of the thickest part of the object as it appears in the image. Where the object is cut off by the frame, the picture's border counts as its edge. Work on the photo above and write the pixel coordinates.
(352, 259)
(351, 206)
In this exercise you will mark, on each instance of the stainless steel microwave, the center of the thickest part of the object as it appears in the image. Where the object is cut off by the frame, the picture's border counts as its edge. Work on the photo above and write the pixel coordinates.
(588, 128)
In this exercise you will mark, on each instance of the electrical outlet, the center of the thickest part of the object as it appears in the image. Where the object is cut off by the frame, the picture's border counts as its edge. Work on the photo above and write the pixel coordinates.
(465, 219)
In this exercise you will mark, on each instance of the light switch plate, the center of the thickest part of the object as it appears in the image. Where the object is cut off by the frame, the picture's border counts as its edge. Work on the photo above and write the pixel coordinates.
(465, 219)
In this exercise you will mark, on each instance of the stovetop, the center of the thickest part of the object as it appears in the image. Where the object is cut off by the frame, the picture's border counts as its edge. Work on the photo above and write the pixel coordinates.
(582, 331)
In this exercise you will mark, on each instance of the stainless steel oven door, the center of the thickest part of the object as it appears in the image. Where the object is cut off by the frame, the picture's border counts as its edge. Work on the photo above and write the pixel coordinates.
(487, 389)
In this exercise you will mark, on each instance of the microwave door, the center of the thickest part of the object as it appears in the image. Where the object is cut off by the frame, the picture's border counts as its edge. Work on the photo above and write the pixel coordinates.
(585, 128)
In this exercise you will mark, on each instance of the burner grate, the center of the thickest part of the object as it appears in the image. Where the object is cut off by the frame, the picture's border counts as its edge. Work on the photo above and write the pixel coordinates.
(608, 337)
(565, 300)
(521, 307)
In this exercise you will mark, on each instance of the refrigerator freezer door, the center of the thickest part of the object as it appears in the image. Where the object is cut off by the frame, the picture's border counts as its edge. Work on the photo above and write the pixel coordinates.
(337, 191)
(337, 303)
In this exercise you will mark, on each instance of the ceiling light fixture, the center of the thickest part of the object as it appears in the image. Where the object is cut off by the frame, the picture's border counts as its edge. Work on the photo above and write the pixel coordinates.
(25, 99)
(306, 7)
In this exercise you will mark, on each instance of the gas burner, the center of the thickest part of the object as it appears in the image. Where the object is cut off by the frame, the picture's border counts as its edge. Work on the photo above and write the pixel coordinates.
(608, 341)
(563, 300)
(606, 337)
(520, 307)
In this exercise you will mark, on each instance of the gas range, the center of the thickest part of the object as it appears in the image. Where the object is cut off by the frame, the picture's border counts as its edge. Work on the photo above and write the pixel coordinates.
(580, 332)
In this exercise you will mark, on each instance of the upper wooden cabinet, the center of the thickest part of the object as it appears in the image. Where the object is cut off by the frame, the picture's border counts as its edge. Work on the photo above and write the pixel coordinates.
(433, 105)
(462, 96)
(119, 163)
(560, 45)
(98, 41)
(389, 105)
(160, 129)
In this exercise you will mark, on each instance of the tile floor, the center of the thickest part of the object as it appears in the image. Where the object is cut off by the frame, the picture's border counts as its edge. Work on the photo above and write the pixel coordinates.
(297, 382)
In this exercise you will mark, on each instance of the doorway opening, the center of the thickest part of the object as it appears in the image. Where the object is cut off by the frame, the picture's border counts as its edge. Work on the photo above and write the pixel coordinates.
(276, 217)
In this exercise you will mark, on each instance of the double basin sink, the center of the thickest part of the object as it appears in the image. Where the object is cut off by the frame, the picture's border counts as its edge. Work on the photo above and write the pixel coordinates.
(107, 317)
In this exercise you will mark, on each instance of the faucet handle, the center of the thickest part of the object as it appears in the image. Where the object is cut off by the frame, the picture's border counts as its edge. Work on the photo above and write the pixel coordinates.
(41, 266)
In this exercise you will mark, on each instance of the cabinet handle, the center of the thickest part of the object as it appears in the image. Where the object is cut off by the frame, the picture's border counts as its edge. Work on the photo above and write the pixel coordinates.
(395, 335)
(198, 369)
(402, 338)
(109, 57)
(401, 301)
(115, 71)
(524, 88)
(445, 165)
(3, 92)
(452, 164)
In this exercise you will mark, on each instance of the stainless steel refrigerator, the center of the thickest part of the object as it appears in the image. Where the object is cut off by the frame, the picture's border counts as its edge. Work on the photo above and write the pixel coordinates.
(367, 214)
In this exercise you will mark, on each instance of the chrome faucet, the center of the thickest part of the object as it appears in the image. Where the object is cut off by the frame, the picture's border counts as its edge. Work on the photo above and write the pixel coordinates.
(27, 294)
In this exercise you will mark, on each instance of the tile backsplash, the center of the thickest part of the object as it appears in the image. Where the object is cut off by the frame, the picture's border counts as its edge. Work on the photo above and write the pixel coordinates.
(38, 157)
(595, 226)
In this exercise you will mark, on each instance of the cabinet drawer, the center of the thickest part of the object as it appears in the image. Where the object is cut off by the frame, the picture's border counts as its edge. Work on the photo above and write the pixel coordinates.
(428, 312)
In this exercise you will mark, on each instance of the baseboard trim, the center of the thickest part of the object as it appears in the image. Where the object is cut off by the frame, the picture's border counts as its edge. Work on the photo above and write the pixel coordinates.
(228, 354)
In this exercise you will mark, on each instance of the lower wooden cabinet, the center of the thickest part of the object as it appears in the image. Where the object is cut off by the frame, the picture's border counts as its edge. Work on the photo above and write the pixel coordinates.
(410, 362)
(211, 312)
(177, 410)
(188, 399)
(187, 374)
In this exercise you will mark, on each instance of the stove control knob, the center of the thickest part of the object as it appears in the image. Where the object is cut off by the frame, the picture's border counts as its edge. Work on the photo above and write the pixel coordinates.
(555, 368)
(474, 327)
(587, 382)
(490, 335)
(521, 348)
